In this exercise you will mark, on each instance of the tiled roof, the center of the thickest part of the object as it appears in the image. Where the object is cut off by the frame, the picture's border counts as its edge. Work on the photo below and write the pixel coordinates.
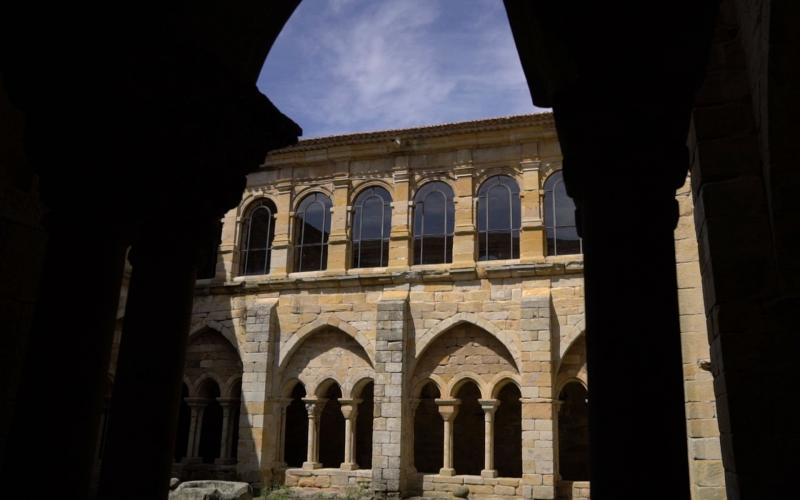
(426, 131)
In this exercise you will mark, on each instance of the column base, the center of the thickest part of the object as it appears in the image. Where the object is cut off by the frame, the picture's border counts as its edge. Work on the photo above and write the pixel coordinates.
(449, 471)
(192, 460)
(489, 473)
(225, 461)
(346, 466)
(311, 465)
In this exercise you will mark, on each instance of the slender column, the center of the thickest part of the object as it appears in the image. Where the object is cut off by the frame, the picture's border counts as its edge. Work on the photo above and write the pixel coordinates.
(350, 412)
(314, 408)
(448, 408)
(489, 406)
(196, 406)
(147, 394)
(227, 405)
(280, 448)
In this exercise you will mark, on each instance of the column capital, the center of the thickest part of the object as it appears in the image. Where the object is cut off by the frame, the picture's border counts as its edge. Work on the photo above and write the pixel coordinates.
(448, 408)
(227, 402)
(489, 405)
(349, 407)
(197, 402)
(314, 406)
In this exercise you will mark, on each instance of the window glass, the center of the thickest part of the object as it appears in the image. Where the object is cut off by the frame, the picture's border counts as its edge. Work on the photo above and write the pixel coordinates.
(434, 222)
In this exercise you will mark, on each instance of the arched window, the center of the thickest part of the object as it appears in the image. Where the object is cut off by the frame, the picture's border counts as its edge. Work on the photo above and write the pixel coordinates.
(258, 231)
(312, 228)
(434, 221)
(498, 219)
(372, 223)
(559, 218)
(428, 431)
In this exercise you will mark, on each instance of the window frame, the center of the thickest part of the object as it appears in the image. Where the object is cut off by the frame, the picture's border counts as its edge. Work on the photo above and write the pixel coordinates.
(247, 226)
(483, 197)
(426, 190)
(299, 234)
(356, 235)
(555, 179)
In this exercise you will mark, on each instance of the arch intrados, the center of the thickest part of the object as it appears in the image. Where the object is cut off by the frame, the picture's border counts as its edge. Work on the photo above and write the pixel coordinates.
(501, 381)
(225, 333)
(458, 382)
(204, 381)
(568, 381)
(230, 385)
(310, 191)
(323, 387)
(466, 378)
(430, 180)
(354, 197)
(358, 387)
(433, 379)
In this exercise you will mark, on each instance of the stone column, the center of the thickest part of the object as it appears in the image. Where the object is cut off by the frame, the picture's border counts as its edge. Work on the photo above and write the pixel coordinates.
(489, 406)
(532, 237)
(259, 412)
(538, 422)
(448, 408)
(314, 408)
(389, 452)
(280, 448)
(464, 231)
(146, 396)
(400, 236)
(350, 411)
(228, 423)
(196, 407)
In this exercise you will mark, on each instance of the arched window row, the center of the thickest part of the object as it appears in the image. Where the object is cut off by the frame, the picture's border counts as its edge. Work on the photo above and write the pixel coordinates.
(498, 220)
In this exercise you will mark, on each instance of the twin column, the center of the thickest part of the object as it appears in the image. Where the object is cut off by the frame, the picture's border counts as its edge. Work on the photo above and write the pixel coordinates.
(349, 409)
(197, 407)
(448, 409)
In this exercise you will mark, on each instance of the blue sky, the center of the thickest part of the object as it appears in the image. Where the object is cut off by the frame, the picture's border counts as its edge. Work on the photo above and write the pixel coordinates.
(344, 66)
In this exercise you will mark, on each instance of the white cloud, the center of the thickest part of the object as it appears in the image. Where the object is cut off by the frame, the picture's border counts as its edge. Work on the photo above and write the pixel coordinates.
(367, 65)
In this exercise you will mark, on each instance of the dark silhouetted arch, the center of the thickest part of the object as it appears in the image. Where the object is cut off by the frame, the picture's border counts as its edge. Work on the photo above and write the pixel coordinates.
(508, 432)
(211, 430)
(295, 441)
(428, 431)
(331, 429)
(573, 433)
(468, 431)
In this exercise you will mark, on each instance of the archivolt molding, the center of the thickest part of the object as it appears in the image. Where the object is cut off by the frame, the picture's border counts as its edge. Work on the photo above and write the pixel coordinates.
(292, 343)
(547, 169)
(464, 377)
(362, 186)
(432, 334)
(501, 380)
(195, 387)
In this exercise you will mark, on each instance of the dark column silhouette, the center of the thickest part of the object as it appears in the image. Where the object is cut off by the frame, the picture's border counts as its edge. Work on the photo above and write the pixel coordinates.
(615, 80)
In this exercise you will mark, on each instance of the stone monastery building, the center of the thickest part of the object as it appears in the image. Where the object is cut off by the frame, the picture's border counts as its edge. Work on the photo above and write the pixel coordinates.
(403, 311)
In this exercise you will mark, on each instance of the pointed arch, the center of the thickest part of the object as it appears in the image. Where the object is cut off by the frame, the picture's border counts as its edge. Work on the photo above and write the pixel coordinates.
(293, 342)
(471, 318)
(217, 327)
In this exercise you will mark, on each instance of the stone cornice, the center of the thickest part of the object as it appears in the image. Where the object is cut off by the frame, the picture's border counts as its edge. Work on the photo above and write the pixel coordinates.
(423, 274)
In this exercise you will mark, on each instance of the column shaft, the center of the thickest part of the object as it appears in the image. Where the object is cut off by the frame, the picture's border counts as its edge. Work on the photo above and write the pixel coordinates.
(146, 394)
(66, 365)
(224, 450)
(489, 406)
